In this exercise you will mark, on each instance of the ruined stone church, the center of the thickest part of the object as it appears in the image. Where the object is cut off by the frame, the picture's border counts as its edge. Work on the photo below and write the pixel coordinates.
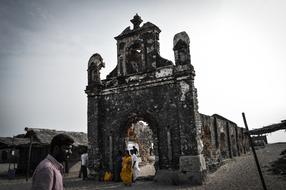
(146, 87)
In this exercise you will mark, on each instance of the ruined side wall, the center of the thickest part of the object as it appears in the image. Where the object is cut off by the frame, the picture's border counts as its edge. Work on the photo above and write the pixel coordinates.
(222, 139)
(210, 140)
(232, 139)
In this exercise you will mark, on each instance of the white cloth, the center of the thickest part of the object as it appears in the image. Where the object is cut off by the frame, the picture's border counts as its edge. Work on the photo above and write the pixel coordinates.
(135, 169)
(84, 159)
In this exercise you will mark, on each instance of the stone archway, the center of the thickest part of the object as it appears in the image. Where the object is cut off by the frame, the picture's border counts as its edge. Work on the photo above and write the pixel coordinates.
(130, 125)
(161, 93)
(142, 133)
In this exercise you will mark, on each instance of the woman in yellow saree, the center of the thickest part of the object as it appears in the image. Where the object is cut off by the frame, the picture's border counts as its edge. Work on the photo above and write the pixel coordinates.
(126, 171)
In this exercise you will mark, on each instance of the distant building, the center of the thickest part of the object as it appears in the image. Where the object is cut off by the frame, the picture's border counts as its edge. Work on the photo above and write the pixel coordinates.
(39, 140)
(260, 138)
(8, 148)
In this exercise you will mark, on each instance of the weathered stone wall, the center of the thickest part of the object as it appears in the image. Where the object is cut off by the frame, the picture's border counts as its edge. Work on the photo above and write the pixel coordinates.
(145, 86)
(150, 104)
(222, 139)
(165, 99)
(210, 140)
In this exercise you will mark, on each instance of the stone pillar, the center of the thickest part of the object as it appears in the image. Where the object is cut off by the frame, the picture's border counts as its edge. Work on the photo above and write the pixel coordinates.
(192, 163)
(93, 135)
(93, 91)
(192, 167)
(229, 143)
(110, 152)
(237, 139)
(169, 146)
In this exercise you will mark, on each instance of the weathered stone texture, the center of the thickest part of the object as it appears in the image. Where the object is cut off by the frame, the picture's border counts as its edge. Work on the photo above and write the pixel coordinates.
(222, 139)
(145, 86)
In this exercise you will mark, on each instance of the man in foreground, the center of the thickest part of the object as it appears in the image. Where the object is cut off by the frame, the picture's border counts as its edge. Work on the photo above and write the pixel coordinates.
(48, 174)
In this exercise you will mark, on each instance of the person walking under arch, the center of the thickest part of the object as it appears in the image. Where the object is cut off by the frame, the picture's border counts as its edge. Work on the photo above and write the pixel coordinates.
(135, 150)
(126, 171)
(135, 166)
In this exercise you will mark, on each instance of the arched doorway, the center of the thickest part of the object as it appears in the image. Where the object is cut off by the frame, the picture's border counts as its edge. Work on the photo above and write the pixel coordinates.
(140, 131)
(140, 136)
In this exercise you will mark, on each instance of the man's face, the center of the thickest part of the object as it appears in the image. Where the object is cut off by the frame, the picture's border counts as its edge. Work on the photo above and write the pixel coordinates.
(63, 152)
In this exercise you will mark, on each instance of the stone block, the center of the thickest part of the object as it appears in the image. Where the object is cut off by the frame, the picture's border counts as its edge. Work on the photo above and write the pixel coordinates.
(192, 163)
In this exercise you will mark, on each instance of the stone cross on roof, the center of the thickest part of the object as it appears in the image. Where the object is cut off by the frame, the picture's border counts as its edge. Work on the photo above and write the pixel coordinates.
(136, 21)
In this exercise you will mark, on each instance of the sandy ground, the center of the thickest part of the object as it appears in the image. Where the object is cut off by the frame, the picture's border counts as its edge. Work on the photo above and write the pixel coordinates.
(238, 173)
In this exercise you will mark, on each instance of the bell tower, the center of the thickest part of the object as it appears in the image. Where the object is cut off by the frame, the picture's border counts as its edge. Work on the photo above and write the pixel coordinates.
(137, 48)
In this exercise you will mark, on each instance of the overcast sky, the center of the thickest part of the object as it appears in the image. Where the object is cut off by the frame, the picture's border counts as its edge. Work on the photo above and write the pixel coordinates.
(237, 48)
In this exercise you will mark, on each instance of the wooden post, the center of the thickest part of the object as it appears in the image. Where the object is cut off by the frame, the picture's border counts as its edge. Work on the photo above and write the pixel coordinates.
(254, 153)
(29, 159)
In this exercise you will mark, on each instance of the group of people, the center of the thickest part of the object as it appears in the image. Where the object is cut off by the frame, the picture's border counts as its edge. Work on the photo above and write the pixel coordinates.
(129, 168)
(126, 168)
(49, 173)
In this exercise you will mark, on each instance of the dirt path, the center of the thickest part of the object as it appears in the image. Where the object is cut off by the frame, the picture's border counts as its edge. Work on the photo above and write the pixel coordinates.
(239, 173)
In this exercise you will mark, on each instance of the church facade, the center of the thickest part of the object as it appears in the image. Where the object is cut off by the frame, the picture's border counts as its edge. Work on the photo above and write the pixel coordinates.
(146, 87)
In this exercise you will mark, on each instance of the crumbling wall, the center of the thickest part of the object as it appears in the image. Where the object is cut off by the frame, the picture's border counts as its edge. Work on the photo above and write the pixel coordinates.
(232, 139)
(222, 139)
(210, 141)
(240, 139)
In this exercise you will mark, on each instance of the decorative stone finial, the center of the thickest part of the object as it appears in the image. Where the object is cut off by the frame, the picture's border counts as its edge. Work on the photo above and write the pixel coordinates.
(181, 36)
(136, 21)
(181, 49)
(95, 64)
